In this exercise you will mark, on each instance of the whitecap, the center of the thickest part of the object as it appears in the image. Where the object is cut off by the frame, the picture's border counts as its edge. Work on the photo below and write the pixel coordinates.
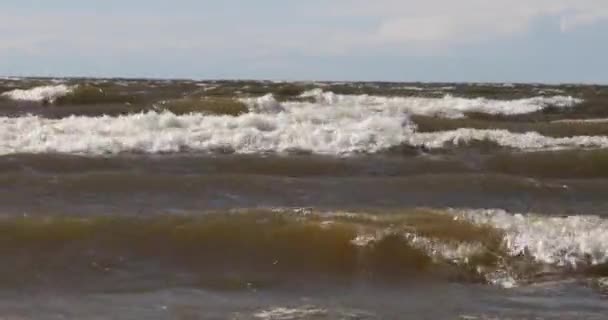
(39, 94)
(448, 106)
(310, 128)
(569, 241)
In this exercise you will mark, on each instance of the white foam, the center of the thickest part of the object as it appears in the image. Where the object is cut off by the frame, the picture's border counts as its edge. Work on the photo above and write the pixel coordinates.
(455, 252)
(447, 88)
(412, 88)
(448, 106)
(563, 241)
(324, 131)
(596, 120)
(284, 313)
(336, 125)
(321, 129)
(522, 141)
(264, 104)
(39, 94)
(550, 90)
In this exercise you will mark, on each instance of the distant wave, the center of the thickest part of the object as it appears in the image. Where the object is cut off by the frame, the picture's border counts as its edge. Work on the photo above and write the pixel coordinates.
(317, 122)
(39, 94)
(314, 129)
(448, 106)
(504, 138)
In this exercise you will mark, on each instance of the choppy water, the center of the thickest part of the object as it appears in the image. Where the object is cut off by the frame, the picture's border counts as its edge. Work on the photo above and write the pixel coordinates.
(158, 199)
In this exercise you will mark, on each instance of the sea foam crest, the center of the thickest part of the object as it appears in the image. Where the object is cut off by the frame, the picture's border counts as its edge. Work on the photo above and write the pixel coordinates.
(336, 129)
(448, 106)
(39, 94)
(563, 241)
(311, 129)
(283, 313)
(504, 138)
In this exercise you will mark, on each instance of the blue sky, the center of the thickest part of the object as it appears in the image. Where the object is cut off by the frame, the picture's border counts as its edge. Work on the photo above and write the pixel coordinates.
(392, 40)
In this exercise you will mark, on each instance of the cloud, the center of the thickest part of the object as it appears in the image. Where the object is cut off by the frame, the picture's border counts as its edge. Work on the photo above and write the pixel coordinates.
(317, 27)
(444, 22)
(582, 19)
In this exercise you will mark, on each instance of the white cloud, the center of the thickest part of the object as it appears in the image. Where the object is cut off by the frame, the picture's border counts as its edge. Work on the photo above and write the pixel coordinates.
(581, 19)
(325, 27)
(433, 22)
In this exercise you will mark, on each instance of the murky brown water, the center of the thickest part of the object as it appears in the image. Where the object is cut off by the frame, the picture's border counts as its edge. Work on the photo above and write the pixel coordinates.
(310, 205)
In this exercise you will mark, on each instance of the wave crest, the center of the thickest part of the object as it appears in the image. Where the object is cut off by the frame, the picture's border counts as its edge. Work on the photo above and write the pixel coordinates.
(39, 94)
(448, 106)
(490, 246)
(333, 131)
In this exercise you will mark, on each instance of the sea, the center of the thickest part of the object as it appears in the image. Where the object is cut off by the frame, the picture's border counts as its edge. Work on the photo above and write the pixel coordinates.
(275, 200)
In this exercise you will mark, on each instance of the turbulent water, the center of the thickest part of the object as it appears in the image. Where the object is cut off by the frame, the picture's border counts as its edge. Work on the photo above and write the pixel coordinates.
(179, 199)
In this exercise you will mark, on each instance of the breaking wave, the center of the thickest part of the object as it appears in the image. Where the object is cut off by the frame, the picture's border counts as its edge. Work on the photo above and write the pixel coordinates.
(312, 128)
(332, 124)
(571, 241)
(504, 138)
(448, 106)
(39, 94)
(291, 313)
(489, 246)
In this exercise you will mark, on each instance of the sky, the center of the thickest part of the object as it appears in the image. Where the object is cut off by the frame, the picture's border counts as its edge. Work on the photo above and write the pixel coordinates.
(554, 41)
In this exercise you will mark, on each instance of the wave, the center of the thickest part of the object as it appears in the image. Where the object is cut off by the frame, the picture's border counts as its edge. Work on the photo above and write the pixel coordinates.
(504, 138)
(290, 97)
(557, 129)
(313, 129)
(326, 131)
(332, 124)
(303, 312)
(39, 94)
(490, 246)
(563, 241)
(448, 106)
